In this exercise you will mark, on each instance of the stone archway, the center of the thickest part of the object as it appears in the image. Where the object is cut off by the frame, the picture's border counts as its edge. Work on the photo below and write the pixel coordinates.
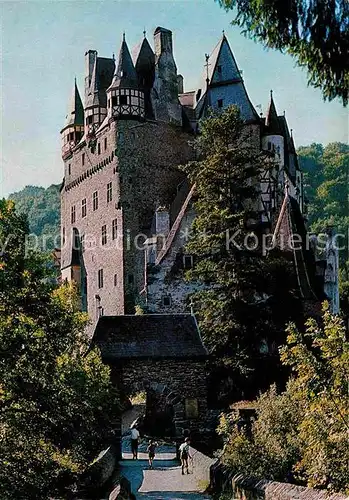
(163, 411)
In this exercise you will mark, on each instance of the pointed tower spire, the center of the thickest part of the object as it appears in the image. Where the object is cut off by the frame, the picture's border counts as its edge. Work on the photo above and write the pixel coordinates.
(125, 75)
(75, 114)
(73, 128)
(125, 96)
(271, 120)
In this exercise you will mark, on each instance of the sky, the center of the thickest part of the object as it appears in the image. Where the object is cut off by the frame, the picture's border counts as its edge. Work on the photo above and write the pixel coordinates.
(42, 50)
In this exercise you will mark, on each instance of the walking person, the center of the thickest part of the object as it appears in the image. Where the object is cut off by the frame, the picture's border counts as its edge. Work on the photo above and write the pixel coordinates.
(184, 451)
(151, 452)
(134, 442)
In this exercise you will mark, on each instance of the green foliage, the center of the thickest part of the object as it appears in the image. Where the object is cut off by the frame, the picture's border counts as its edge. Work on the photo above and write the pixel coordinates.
(235, 311)
(42, 207)
(301, 434)
(326, 183)
(315, 33)
(57, 403)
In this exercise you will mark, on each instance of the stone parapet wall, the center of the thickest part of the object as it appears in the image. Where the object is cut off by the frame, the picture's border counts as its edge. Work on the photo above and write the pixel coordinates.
(246, 488)
(242, 487)
(201, 465)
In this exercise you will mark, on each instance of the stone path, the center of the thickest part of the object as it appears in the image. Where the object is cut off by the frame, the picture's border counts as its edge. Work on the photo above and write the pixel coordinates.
(165, 481)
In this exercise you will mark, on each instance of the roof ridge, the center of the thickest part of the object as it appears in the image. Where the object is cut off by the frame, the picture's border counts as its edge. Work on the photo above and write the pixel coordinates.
(175, 227)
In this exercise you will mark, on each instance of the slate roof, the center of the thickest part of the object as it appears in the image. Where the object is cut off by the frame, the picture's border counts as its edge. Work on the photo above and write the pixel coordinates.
(75, 115)
(125, 75)
(290, 223)
(272, 121)
(230, 77)
(291, 161)
(148, 336)
(143, 56)
(102, 75)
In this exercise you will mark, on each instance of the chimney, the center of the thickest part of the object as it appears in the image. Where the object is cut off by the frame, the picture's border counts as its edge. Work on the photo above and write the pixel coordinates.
(90, 58)
(162, 221)
(162, 41)
(180, 84)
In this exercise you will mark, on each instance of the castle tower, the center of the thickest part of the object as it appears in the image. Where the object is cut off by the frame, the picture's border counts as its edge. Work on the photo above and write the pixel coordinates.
(73, 129)
(224, 83)
(125, 98)
(166, 105)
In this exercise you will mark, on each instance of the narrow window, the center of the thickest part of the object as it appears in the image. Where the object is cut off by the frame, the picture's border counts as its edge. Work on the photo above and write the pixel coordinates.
(104, 235)
(83, 208)
(101, 311)
(114, 229)
(95, 200)
(83, 159)
(109, 192)
(123, 99)
(100, 278)
(166, 301)
(73, 214)
(99, 148)
(69, 169)
(89, 120)
(220, 103)
(115, 280)
(63, 236)
(105, 143)
(187, 261)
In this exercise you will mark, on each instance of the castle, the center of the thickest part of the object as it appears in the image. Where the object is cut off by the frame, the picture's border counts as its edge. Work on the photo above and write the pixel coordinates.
(125, 206)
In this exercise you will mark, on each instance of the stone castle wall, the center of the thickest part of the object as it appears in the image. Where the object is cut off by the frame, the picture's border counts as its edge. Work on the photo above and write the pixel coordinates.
(139, 160)
(181, 383)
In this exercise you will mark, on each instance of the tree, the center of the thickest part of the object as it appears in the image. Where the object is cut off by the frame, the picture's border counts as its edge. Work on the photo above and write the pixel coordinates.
(42, 207)
(58, 406)
(301, 434)
(326, 184)
(315, 33)
(239, 313)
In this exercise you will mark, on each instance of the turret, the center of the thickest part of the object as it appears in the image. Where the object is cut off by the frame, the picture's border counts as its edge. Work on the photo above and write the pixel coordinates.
(73, 129)
(273, 139)
(125, 99)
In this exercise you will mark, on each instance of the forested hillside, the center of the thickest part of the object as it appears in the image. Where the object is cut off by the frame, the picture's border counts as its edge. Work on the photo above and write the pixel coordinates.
(326, 180)
(42, 206)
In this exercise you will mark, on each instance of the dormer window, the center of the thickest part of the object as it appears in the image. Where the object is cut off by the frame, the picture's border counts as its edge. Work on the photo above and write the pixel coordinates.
(219, 69)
